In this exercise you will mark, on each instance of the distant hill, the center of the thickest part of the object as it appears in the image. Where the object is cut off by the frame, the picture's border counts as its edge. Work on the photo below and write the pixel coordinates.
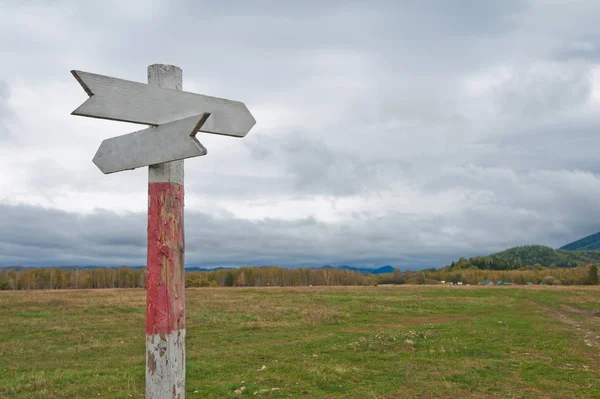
(530, 255)
(201, 269)
(362, 270)
(546, 256)
(591, 242)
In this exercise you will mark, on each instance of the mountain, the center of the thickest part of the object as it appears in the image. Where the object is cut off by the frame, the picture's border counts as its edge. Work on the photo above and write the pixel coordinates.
(384, 269)
(530, 255)
(362, 270)
(202, 269)
(591, 242)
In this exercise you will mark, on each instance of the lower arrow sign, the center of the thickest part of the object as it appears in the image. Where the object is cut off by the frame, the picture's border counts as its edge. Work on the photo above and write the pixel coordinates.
(157, 144)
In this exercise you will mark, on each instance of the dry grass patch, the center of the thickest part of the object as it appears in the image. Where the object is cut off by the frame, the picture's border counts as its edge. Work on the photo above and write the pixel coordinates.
(316, 316)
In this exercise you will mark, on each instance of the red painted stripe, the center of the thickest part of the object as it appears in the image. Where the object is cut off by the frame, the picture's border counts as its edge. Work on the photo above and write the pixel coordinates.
(165, 284)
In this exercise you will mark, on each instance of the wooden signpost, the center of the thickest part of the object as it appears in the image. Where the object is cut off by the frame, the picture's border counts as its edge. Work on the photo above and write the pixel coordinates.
(174, 117)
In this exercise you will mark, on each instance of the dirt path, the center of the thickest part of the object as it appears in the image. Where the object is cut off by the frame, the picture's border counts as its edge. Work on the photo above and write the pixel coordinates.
(583, 327)
(586, 313)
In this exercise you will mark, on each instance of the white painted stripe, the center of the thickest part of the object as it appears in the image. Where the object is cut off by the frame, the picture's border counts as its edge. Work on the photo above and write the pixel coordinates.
(169, 172)
(165, 365)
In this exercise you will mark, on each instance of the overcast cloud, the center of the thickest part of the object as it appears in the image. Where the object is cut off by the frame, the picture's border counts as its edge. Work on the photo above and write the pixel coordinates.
(388, 132)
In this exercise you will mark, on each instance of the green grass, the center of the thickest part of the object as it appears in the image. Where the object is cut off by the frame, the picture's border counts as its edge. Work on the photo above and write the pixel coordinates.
(315, 342)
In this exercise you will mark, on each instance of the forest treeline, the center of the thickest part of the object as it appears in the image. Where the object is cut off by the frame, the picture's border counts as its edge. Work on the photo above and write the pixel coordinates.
(124, 277)
(578, 275)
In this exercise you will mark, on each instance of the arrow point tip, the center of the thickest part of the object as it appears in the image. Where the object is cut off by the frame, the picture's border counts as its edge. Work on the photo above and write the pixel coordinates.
(85, 87)
(75, 74)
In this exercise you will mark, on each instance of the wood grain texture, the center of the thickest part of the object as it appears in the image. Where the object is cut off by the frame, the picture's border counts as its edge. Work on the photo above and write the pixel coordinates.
(128, 101)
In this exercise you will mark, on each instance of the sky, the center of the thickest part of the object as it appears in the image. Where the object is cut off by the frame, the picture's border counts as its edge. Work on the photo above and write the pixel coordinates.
(388, 132)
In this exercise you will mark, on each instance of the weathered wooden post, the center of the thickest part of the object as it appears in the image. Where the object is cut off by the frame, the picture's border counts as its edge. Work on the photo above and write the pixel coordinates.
(175, 117)
(165, 278)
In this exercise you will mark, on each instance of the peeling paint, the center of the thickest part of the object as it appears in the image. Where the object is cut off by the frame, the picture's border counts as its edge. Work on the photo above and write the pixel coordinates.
(167, 381)
(164, 287)
(151, 361)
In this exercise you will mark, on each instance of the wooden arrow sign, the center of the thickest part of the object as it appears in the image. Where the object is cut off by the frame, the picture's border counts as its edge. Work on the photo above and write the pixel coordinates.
(127, 101)
(157, 144)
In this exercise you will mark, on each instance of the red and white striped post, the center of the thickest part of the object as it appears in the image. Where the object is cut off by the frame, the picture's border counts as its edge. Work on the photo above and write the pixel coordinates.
(165, 280)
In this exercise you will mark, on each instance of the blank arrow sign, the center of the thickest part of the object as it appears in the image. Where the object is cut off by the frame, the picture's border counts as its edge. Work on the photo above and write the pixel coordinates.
(127, 101)
(157, 144)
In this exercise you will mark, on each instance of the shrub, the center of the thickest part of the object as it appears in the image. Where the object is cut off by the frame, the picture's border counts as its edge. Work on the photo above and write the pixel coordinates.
(393, 280)
(550, 280)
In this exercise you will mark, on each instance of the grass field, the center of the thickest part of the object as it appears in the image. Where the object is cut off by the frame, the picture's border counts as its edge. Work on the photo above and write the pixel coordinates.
(313, 342)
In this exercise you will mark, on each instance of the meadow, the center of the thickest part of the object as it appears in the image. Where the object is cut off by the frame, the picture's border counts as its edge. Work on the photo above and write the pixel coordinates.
(312, 342)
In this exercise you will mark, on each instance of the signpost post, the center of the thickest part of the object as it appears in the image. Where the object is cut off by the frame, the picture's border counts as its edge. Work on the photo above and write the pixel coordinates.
(174, 117)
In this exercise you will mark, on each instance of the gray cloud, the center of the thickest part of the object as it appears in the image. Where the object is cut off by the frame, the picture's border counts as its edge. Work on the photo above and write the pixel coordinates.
(312, 167)
(541, 91)
(585, 48)
(388, 132)
(5, 112)
(44, 236)
(36, 236)
(564, 144)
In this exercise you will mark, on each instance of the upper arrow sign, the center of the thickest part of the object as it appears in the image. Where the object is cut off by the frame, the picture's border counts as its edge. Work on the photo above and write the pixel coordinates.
(127, 101)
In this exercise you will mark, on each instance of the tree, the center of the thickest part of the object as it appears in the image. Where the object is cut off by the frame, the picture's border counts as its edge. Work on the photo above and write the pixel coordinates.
(241, 280)
(456, 278)
(229, 279)
(593, 275)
